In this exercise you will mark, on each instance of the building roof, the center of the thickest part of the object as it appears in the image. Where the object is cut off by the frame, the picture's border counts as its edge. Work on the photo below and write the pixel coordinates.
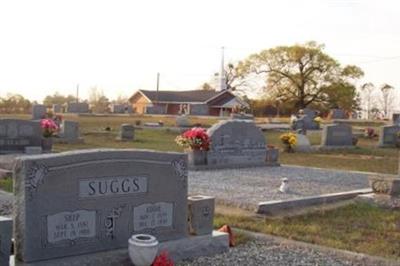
(193, 96)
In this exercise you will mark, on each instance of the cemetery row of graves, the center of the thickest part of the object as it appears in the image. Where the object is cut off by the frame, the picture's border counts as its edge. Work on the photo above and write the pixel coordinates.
(102, 190)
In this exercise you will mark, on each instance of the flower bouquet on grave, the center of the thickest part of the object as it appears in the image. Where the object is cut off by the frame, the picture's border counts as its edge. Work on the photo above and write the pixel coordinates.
(318, 120)
(289, 140)
(196, 142)
(49, 129)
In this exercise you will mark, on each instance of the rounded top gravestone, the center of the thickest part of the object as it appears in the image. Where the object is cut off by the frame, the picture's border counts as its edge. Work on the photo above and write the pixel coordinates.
(236, 142)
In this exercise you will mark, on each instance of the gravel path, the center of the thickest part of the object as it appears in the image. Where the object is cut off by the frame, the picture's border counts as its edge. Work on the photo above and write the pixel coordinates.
(247, 187)
(266, 252)
(6, 202)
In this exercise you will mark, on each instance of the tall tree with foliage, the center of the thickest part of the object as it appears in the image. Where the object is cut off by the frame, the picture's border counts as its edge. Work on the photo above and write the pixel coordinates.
(387, 98)
(98, 101)
(303, 75)
(58, 98)
(14, 104)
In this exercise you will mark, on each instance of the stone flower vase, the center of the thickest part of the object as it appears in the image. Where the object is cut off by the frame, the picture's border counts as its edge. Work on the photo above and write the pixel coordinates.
(142, 249)
(47, 144)
(272, 155)
(197, 157)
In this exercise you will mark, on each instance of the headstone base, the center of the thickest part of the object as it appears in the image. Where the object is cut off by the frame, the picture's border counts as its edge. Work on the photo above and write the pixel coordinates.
(231, 166)
(68, 141)
(181, 249)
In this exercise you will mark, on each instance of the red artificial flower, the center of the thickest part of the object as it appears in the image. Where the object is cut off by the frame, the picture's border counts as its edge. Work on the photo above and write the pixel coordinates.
(163, 260)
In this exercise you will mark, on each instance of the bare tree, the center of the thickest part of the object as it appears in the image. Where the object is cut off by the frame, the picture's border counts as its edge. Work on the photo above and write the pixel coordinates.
(367, 90)
(387, 98)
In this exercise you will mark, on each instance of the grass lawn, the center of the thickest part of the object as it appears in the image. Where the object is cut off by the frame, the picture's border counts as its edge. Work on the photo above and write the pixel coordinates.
(355, 227)
(6, 184)
(92, 129)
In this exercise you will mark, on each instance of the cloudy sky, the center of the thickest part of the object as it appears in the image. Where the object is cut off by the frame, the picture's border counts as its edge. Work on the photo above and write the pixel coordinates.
(119, 46)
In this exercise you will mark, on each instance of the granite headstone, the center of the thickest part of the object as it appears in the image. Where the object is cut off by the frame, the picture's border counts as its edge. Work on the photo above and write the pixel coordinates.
(127, 132)
(94, 200)
(388, 136)
(235, 143)
(38, 111)
(16, 135)
(337, 135)
(5, 240)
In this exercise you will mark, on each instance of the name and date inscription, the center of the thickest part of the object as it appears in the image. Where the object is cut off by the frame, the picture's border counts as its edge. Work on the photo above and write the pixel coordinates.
(83, 223)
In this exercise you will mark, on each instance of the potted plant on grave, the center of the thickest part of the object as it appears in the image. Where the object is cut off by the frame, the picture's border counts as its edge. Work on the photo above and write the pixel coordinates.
(289, 140)
(49, 129)
(318, 121)
(196, 143)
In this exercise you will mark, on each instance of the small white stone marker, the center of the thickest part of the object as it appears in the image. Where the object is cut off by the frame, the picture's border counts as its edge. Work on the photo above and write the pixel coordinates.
(284, 188)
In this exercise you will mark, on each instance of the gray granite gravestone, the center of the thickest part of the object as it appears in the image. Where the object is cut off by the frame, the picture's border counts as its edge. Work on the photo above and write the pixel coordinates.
(396, 119)
(78, 108)
(337, 135)
(306, 121)
(388, 136)
(94, 200)
(69, 132)
(5, 240)
(201, 214)
(338, 114)
(57, 108)
(16, 134)
(127, 132)
(38, 111)
(302, 144)
(182, 121)
(236, 143)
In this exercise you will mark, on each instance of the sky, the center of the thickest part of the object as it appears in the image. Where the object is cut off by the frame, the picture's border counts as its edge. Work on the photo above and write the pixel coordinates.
(119, 46)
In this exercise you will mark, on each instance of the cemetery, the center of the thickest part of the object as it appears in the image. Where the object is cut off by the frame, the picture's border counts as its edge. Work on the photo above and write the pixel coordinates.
(104, 179)
(221, 133)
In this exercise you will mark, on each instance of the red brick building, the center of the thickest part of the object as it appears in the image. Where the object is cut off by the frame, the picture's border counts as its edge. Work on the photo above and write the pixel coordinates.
(195, 102)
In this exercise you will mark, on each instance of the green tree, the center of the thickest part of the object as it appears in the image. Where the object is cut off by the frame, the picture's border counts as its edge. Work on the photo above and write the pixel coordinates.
(302, 74)
(15, 104)
(58, 98)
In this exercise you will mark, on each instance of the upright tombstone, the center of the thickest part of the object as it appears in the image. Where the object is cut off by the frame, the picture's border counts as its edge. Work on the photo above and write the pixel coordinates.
(5, 240)
(16, 135)
(396, 119)
(388, 136)
(38, 111)
(56, 108)
(306, 121)
(78, 108)
(236, 143)
(302, 144)
(182, 121)
(94, 200)
(338, 114)
(127, 132)
(70, 132)
(339, 135)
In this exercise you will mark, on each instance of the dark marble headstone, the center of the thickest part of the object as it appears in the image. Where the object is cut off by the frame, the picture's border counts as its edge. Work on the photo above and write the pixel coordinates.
(396, 119)
(338, 114)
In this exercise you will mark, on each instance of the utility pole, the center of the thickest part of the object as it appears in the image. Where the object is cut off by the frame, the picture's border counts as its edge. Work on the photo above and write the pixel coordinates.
(222, 81)
(158, 86)
(77, 93)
